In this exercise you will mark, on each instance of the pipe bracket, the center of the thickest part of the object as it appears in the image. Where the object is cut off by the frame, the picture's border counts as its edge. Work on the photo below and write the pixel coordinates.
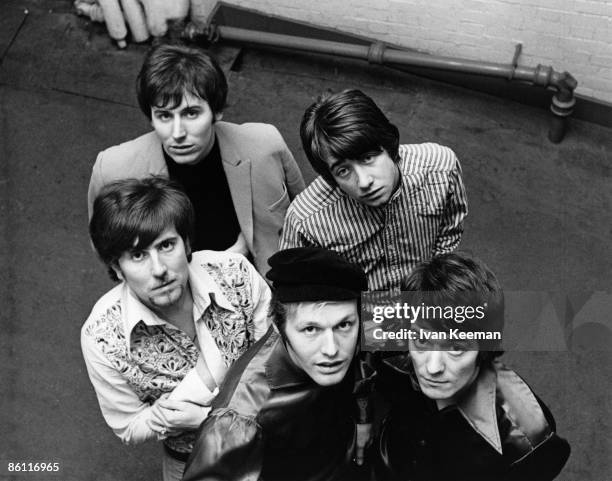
(376, 53)
(542, 75)
(517, 52)
(209, 33)
(212, 33)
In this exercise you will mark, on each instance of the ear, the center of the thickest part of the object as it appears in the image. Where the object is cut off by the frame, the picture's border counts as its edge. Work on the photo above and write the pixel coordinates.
(187, 249)
(218, 116)
(115, 267)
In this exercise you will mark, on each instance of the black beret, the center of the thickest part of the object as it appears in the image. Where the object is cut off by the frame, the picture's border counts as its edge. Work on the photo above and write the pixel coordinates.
(314, 274)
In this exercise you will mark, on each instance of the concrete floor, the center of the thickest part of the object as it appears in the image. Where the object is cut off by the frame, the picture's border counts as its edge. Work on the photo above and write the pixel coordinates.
(539, 215)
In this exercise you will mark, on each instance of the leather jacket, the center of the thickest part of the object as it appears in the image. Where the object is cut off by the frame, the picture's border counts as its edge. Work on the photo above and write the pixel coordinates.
(271, 421)
(498, 430)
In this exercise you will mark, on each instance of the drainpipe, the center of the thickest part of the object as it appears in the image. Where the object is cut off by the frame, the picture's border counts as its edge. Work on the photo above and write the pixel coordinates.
(378, 53)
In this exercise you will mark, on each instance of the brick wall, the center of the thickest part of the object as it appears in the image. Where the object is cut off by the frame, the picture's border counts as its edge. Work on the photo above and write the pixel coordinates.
(572, 35)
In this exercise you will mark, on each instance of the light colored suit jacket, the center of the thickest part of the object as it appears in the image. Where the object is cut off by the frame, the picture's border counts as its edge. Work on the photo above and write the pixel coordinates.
(262, 174)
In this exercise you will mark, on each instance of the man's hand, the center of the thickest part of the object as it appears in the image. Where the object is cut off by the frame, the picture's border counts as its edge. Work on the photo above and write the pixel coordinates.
(170, 418)
(364, 438)
(240, 246)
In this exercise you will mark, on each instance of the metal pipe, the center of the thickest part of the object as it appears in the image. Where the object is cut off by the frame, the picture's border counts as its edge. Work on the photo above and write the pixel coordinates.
(378, 53)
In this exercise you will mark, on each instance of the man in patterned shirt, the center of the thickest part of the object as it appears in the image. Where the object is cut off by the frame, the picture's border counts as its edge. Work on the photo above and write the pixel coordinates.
(157, 346)
(379, 204)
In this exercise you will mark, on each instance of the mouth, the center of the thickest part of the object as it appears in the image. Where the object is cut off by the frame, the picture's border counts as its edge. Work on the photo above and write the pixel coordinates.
(164, 285)
(182, 149)
(433, 382)
(330, 367)
(372, 195)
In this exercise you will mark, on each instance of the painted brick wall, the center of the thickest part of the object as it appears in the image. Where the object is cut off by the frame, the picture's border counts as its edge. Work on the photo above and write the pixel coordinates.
(572, 35)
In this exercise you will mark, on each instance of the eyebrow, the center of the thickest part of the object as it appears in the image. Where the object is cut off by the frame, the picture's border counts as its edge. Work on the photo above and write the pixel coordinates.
(165, 239)
(309, 322)
(348, 317)
(185, 109)
(336, 164)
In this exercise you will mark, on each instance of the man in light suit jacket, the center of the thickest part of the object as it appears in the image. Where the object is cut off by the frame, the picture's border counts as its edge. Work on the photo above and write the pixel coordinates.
(240, 178)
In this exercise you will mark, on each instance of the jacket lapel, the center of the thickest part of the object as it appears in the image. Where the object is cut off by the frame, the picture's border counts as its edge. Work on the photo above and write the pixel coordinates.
(238, 172)
(478, 408)
(153, 157)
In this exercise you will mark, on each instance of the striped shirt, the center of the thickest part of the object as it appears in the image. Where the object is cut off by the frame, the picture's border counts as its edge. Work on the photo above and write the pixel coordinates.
(423, 218)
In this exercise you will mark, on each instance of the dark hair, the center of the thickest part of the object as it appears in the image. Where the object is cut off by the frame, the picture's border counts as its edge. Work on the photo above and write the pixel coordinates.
(131, 213)
(171, 70)
(346, 125)
(456, 279)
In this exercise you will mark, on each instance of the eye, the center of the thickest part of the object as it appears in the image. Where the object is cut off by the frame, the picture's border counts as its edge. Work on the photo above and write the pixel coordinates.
(345, 326)
(167, 245)
(163, 115)
(457, 349)
(192, 114)
(137, 256)
(420, 343)
(310, 330)
(342, 172)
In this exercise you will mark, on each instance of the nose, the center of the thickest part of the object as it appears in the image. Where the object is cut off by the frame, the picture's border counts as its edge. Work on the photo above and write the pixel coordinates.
(178, 132)
(158, 266)
(329, 346)
(435, 362)
(364, 179)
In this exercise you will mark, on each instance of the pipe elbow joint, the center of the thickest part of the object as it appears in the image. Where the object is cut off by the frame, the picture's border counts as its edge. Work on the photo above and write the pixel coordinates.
(565, 83)
(563, 101)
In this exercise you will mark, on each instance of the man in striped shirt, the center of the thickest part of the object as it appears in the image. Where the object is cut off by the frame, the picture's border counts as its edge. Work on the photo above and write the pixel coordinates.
(379, 204)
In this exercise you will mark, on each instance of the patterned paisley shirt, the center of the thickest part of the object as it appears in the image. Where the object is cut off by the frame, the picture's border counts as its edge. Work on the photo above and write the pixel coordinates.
(133, 357)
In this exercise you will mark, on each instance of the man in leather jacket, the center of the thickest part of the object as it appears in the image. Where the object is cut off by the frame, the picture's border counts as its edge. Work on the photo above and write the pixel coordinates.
(285, 411)
(455, 412)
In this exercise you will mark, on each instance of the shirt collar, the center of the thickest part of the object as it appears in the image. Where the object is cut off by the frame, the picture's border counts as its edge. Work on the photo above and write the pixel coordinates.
(400, 184)
(134, 311)
(204, 291)
(476, 405)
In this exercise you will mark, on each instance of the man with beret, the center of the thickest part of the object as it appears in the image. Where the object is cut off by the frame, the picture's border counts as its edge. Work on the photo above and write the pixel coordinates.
(285, 409)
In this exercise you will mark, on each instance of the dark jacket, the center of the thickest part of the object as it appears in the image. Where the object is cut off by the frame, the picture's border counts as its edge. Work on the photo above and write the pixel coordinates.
(271, 421)
(498, 430)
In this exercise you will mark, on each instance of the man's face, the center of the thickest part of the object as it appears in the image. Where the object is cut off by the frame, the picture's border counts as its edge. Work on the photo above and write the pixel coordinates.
(158, 275)
(371, 181)
(322, 337)
(186, 131)
(442, 369)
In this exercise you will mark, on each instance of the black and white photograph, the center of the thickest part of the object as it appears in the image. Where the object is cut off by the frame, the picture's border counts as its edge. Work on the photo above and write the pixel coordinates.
(350, 240)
